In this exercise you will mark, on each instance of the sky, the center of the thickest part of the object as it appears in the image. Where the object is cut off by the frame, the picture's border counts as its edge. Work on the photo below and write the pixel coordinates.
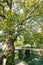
(1, 31)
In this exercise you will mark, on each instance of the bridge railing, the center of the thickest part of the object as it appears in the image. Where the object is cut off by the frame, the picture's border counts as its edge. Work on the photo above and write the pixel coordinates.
(26, 51)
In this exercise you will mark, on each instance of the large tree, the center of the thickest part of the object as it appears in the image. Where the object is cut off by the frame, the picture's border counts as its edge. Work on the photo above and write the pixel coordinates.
(21, 18)
(19, 15)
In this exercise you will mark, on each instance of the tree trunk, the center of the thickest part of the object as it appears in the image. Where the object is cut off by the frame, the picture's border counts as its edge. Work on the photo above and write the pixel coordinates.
(9, 51)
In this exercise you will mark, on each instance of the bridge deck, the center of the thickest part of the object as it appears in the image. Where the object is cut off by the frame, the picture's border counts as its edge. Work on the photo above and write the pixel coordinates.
(34, 49)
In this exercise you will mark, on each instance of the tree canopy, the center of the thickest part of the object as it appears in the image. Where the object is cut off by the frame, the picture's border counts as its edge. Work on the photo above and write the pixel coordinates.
(23, 18)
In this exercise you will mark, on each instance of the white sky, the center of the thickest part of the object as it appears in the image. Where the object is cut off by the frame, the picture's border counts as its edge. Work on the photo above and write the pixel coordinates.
(1, 31)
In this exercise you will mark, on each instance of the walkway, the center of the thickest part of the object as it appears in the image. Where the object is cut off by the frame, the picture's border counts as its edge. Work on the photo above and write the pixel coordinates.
(19, 62)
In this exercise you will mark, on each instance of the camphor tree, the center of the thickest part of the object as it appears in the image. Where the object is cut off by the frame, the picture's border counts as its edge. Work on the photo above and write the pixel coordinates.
(20, 18)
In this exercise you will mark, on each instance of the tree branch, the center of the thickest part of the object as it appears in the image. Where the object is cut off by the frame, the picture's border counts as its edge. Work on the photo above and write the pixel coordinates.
(29, 15)
(9, 3)
(2, 16)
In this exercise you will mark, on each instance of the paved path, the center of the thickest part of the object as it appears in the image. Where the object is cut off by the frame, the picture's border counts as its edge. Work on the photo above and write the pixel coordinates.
(19, 62)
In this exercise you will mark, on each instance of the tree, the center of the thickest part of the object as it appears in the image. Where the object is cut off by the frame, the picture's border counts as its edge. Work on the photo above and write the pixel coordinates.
(21, 18)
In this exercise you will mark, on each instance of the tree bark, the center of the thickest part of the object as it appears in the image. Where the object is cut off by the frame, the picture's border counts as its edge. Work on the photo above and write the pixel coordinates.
(9, 51)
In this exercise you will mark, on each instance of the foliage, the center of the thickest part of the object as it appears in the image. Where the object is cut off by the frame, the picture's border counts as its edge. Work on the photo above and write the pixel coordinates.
(23, 18)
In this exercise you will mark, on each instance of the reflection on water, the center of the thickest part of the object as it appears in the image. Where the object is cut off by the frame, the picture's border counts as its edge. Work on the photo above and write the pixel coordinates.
(35, 61)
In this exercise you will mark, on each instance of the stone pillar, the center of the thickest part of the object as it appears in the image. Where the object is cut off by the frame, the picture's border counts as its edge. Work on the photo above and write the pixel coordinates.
(27, 53)
(20, 54)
